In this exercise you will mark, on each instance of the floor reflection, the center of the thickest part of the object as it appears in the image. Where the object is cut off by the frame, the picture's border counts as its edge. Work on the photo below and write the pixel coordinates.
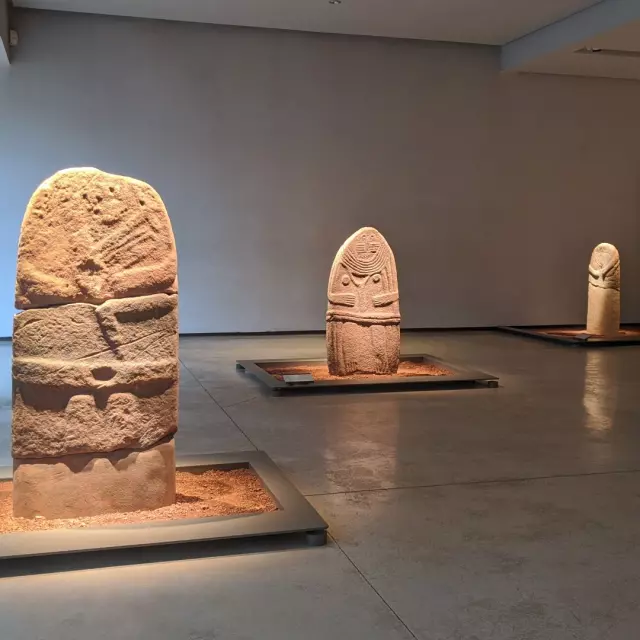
(600, 398)
(372, 460)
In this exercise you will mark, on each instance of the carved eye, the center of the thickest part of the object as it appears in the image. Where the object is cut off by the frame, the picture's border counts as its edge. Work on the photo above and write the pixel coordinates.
(376, 278)
(345, 280)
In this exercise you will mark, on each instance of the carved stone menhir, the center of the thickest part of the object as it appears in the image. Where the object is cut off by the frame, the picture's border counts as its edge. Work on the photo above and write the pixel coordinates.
(363, 315)
(95, 351)
(603, 314)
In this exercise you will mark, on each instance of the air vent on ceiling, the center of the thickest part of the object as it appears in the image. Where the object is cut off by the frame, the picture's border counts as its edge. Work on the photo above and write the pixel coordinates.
(616, 53)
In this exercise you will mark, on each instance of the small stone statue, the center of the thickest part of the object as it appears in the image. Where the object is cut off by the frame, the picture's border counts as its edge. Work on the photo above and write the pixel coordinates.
(603, 314)
(363, 315)
(95, 349)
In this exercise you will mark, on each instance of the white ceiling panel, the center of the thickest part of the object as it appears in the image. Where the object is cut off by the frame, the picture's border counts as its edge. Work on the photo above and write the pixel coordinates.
(601, 41)
(615, 54)
(478, 21)
(626, 38)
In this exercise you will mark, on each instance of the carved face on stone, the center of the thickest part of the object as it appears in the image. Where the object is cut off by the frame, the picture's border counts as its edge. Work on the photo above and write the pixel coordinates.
(367, 246)
(363, 281)
(604, 267)
(365, 253)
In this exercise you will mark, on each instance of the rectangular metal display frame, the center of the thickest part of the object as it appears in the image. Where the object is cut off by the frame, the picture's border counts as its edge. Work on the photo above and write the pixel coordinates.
(583, 340)
(459, 376)
(294, 515)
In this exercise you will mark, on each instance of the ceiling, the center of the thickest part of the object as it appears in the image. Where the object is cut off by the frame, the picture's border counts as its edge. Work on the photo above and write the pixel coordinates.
(615, 54)
(493, 22)
(600, 41)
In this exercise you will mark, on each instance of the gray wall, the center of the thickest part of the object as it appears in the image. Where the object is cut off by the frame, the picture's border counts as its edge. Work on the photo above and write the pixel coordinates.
(4, 29)
(270, 148)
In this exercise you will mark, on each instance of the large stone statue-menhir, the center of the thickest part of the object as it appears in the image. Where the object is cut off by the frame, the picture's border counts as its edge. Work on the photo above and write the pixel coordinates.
(363, 315)
(603, 314)
(95, 350)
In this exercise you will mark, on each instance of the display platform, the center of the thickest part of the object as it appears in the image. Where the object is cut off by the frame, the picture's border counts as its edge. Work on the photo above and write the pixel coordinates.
(294, 515)
(578, 337)
(272, 374)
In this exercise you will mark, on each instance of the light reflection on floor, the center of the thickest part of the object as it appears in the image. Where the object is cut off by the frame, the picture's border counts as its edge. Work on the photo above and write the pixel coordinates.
(484, 514)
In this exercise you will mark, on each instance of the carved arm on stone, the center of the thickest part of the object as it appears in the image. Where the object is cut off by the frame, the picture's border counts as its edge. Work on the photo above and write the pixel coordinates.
(594, 273)
(385, 299)
(344, 299)
(40, 285)
(154, 315)
(120, 253)
(604, 272)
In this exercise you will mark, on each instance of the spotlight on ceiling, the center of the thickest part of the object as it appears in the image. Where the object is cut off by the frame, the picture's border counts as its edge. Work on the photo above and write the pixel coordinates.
(335, 1)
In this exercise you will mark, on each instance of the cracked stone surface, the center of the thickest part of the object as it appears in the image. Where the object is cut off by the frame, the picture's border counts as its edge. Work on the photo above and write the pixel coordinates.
(603, 313)
(363, 314)
(86, 383)
(95, 351)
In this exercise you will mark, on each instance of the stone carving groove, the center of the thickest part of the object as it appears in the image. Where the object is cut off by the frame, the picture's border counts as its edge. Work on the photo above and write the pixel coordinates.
(603, 313)
(363, 315)
(95, 349)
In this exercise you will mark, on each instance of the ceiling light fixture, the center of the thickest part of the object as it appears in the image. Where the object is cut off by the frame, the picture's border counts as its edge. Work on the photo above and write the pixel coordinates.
(335, 1)
(615, 53)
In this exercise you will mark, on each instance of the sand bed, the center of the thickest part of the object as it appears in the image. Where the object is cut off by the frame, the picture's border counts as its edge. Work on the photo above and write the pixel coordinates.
(623, 333)
(198, 495)
(319, 371)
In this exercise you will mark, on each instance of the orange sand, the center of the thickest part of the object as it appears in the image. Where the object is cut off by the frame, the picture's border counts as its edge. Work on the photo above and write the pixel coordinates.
(198, 495)
(319, 371)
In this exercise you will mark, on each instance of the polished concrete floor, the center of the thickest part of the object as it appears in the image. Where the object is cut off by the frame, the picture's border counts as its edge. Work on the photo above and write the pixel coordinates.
(479, 514)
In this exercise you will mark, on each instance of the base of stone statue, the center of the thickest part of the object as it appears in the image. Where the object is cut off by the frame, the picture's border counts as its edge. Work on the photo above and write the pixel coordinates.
(87, 484)
(577, 336)
(312, 374)
(294, 521)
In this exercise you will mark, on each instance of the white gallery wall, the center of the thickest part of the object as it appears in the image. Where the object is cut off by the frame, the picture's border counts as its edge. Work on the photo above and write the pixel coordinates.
(269, 148)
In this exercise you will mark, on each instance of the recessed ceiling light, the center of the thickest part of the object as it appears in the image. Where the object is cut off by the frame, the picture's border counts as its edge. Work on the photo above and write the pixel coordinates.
(335, 1)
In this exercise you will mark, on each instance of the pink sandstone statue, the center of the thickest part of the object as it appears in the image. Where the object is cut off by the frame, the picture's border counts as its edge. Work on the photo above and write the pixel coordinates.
(363, 315)
(95, 349)
(603, 313)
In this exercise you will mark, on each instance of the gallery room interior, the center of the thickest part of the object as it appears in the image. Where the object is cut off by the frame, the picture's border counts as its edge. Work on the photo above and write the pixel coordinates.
(319, 319)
